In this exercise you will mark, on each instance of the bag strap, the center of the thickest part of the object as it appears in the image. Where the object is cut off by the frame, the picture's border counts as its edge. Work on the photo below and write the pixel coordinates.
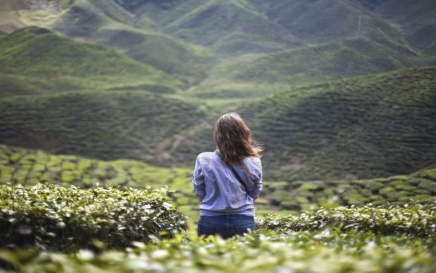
(235, 173)
(239, 179)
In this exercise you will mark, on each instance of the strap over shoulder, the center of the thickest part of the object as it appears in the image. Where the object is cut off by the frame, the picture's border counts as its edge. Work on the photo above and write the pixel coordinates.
(235, 173)
(239, 179)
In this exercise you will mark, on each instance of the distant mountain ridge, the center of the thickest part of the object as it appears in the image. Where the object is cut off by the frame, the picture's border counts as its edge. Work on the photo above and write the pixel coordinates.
(188, 38)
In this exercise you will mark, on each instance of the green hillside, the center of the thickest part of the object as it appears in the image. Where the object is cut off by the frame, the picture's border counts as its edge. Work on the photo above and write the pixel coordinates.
(39, 53)
(415, 18)
(182, 61)
(334, 116)
(368, 126)
(107, 23)
(319, 63)
(253, 76)
(187, 39)
(228, 27)
(325, 21)
(89, 17)
(116, 124)
(206, 46)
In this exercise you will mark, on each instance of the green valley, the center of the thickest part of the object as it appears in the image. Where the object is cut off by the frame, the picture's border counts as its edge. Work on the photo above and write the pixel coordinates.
(363, 127)
(318, 91)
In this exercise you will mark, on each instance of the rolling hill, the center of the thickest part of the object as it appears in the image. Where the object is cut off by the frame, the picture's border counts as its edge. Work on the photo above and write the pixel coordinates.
(160, 51)
(309, 65)
(107, 23)
(416, 19)
(325, 21)
(228, 27)
(368, 126)
(191, 39)
(37, 54)
(109, 125)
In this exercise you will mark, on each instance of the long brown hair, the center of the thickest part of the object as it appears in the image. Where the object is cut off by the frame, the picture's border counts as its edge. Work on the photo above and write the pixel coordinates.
(234, 141)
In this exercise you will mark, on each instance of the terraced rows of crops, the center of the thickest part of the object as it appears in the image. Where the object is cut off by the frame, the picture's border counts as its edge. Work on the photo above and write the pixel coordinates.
(309, 195)
(371, 126)
(363, 127)
(28, 167)
(117, 125)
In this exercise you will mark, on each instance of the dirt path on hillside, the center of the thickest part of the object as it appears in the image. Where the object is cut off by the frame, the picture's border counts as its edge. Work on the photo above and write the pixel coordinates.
(167, 146)
(132, 126)
(359, 26)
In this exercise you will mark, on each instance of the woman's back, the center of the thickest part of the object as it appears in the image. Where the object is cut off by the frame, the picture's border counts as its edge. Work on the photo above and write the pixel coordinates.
(221, 191)
(228, 180)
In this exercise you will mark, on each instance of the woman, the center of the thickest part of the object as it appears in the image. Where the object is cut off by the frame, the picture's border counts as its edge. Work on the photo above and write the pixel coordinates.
(228, 180)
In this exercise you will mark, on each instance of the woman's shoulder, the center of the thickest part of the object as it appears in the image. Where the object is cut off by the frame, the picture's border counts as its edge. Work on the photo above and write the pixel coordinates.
(253, 162)
(206, 155)
(254, 159)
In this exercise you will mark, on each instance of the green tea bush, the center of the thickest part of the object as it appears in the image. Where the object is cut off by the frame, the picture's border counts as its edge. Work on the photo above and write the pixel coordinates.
(259, 251)
(52, 217)
(416, 219)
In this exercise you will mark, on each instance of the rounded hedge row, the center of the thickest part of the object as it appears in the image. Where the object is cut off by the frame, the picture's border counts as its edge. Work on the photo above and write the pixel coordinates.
(52, 217)
(417, 218)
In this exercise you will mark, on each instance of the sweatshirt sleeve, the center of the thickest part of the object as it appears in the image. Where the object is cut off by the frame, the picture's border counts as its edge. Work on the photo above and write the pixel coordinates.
(198, 178)
(256, 169)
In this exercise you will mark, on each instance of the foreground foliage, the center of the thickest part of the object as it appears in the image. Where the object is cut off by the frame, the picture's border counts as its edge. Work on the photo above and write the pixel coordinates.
(398, 239)
(259, 251)
(55, 218)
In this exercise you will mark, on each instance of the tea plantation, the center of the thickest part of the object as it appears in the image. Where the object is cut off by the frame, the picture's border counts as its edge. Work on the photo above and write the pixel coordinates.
(105, 216)
(394, 239)
(301, 195)
(29, 167)
(105, 104)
